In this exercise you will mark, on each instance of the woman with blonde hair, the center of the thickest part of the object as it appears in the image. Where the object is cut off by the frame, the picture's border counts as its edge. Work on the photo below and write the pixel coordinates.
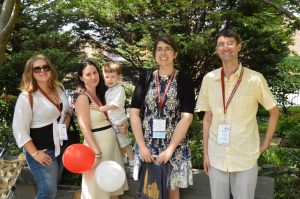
(39, 125)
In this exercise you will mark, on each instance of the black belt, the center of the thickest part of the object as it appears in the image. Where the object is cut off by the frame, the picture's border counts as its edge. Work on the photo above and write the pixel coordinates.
(101, 129)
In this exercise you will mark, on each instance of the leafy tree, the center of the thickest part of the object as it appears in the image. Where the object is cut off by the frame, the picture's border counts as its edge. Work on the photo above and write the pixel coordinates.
(40, 29)
(287, 81)
(127, 28)
(288, 8)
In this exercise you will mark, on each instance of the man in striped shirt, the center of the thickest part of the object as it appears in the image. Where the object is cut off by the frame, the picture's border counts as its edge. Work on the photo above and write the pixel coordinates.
(230, 96)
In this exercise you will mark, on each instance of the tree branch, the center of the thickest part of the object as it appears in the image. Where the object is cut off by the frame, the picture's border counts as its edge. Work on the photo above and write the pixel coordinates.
(282, 9)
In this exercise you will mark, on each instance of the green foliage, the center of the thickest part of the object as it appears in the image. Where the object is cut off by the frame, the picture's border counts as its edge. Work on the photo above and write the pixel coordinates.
(262, 127)
(280, 157)
(6, 109)
(196, 142)
(261, 112)
(7, 140)
(287, 186)
(289, 127)
(129, 88)
(287, 81)
(285, 172)
(128, 28)
(39, 30)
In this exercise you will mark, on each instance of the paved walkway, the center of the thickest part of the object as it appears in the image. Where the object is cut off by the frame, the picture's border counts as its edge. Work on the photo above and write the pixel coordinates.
(25, 189)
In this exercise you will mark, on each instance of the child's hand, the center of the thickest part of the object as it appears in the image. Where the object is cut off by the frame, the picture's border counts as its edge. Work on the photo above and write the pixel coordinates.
(123, 127)
(94, 107)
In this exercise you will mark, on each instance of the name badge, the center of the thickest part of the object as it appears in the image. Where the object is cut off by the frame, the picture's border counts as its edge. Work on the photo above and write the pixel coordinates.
(62, 131)
(223, 134)
(159, 134)
(159, 125)
(159, 128)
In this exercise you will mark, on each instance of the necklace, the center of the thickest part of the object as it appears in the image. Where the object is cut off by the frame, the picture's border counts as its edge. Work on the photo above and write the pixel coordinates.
(164, 76)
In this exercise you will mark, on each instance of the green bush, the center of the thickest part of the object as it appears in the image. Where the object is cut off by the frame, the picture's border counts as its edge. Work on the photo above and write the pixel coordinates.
(285, 169)
(262, 113)
(196, 141)
(289, 127)
(7, 140)
(7, 110)
(281, 157)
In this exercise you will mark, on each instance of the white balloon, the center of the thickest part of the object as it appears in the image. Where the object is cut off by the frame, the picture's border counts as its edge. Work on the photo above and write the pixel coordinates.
(110, 176)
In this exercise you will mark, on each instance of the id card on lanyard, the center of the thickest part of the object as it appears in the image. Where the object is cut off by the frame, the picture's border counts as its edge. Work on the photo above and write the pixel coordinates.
(224, 128)
(62, 130)
(159, 124)
(223, 134)
(159, 128)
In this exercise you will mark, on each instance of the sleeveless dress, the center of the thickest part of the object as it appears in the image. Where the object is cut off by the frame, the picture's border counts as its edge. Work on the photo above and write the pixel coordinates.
(107, 141)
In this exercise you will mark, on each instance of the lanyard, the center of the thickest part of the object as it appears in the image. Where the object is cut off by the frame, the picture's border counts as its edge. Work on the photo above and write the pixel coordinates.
(233, 91)
(56, 103)
(96, 100)
(162, 99)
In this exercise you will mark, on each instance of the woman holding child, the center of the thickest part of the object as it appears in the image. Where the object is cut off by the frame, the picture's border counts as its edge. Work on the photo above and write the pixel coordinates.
(97, 130)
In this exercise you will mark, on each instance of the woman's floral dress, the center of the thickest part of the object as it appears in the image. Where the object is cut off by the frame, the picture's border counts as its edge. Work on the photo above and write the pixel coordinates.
(181, 175)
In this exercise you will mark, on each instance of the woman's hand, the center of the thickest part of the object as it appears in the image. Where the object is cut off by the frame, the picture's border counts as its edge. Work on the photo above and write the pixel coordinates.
(42, 157)
(98, 159)
(164, 156)
(97, 162)
(123, 127)
(146, 155)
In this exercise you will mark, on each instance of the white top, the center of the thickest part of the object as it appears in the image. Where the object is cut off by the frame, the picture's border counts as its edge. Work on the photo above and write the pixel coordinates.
(116, 96)
(42, 114)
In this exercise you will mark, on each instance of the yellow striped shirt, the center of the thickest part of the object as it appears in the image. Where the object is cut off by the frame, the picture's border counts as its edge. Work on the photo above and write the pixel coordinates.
(243, 150)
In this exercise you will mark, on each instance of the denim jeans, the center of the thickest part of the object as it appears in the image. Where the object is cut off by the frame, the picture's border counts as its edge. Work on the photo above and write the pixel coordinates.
(46, 177)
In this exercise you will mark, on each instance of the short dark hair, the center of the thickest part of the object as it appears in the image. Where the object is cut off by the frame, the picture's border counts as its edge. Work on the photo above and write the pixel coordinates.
(228, 33)
(166, 39)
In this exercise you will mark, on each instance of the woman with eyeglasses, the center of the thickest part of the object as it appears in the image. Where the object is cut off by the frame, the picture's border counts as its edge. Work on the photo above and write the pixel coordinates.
(161, 112)
(40, 121)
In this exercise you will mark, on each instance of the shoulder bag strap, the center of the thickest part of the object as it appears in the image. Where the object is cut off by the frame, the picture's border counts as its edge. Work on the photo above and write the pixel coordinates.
(30, 98)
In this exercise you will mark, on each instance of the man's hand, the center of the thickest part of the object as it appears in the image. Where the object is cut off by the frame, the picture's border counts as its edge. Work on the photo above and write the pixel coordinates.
(206, 164)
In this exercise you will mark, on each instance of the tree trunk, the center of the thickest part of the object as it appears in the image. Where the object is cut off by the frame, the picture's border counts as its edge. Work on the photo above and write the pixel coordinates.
(8, 17)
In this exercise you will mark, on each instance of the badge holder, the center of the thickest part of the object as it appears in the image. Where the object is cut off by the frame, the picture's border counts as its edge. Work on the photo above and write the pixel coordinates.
(62, 130)
(159, 128)
(224, 133)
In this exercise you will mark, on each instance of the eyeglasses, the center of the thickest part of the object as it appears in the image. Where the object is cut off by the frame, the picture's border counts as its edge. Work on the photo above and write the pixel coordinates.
(39, 69)
(166, 49)
(229, 44)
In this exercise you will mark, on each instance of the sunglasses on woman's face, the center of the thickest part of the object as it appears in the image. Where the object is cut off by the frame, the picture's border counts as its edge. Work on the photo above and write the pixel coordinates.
(39, 69)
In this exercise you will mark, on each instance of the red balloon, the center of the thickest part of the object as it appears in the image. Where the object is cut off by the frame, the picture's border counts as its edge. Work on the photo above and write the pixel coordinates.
(78, 158)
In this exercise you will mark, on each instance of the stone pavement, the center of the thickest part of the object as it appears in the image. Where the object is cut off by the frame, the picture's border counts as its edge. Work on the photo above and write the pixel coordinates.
(25, 188)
